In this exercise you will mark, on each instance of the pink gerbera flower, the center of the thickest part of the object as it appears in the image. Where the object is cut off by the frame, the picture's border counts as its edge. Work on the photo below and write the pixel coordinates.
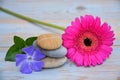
(87, 41)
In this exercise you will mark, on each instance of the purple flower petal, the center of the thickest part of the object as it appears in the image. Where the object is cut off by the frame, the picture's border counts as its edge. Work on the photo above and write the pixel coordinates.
(38, 55)
(37, 65)
(19, 58)
(28, 50)
(25, 68)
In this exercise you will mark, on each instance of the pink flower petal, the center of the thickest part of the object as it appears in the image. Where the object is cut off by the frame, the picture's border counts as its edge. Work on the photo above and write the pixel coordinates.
(93, 60)
(89, 60)
(79, 59)
(68, 44)
(67, 37)
(70, 52)
(76, 24)
(99, 58)
(86, 60)
(104, 27)
(103, 55)
(108, 43)
(106, 48)
(89, 27)
(71, 30)
(83, 21)
(74, 56)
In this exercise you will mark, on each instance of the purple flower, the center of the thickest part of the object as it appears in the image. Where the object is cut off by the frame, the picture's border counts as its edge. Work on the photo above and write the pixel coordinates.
(31, 60)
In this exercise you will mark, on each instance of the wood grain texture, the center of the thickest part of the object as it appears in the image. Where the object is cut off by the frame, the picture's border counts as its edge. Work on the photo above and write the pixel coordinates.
(60, 12)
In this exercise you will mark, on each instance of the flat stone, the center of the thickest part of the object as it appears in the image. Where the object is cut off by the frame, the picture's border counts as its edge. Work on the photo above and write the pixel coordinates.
(59, 52)
(54, 62)
(49, 41)
(35, 44)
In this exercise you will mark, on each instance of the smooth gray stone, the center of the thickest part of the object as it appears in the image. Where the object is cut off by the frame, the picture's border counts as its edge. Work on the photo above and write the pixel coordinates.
(54, 62)
(35, 44)
(57, 53)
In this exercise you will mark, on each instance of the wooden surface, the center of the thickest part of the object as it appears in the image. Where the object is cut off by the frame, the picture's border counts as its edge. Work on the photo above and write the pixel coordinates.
(60, 12)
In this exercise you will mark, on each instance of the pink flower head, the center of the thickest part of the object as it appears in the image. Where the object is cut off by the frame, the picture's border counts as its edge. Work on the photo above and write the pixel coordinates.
(87, 41)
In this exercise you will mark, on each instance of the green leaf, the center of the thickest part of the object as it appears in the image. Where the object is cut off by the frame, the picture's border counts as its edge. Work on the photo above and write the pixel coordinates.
(15, 49)
(11, 53)
(19, 42)
(29, 41)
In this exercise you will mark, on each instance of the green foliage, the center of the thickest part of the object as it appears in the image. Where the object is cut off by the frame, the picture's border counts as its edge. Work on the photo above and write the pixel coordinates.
(29, 41)
(16, 48)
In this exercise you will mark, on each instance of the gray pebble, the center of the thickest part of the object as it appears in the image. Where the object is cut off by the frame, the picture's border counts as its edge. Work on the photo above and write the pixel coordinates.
(35, 44)
(54, 62)
(57, 53)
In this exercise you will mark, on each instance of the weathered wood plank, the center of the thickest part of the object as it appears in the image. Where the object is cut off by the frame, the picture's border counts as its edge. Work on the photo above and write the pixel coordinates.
(110, 69)
(27, 30)
(60, 13)
(60, 76)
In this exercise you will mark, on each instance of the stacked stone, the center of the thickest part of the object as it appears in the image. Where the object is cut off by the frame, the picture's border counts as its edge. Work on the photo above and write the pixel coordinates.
(51, 46)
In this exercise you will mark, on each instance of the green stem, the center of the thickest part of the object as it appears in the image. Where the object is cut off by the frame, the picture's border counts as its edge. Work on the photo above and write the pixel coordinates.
(31, 20)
